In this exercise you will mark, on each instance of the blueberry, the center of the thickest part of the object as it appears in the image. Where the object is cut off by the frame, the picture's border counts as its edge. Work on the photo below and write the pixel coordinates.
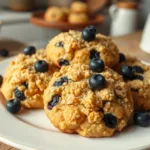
(29, 50)
(25, 84)
(134, 90)
(13, 106)
(94, 54)
(137, 69)
(91, 27)
(59, 44)
(97, 81)
(53, 102)
(19, 94)
(63, 62)
(4, 52)
(122, 57)
(110, 120)
(41, 66)
(1, 80)
(60, 81)
(141, 119)
(126, 71)
(97, 65)
(89, 33)
(138, 77)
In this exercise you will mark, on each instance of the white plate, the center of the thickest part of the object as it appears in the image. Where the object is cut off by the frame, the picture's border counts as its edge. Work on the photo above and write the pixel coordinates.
(33, 131)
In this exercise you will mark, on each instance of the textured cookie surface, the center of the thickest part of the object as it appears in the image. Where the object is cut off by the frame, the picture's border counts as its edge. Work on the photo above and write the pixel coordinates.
(23, 81)
(69, 48)
(74, 107)
(139, 83)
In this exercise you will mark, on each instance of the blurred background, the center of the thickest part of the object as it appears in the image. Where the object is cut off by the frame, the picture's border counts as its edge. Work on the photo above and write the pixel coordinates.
(15, 18)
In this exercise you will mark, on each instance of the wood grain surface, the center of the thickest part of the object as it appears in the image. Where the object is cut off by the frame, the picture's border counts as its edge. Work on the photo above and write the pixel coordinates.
(127, 44)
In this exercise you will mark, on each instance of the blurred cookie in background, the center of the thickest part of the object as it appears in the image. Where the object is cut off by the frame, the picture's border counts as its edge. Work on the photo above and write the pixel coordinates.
(79, 7)
(54, 14)
(66, 10)
(76, 18)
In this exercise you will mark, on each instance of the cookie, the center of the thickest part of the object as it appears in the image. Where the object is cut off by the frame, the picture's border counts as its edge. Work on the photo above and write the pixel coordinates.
(79, 7)
(66, 10)
(70, 48)
(137, 76)
(78, 18)
(55, 14)
(27, 77)
(91, 104)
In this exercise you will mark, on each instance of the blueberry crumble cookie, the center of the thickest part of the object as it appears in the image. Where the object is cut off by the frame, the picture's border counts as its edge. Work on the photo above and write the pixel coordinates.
(80, 47)
(137, 76)
(27, 77)
(91, 100)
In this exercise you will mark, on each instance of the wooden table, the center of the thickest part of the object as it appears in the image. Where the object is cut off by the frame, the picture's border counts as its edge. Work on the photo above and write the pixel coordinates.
(127, 44)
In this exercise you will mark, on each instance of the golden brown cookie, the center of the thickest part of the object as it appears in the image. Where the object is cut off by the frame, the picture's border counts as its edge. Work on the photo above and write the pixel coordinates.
(70, 48)
(23, 82)
(78, 18)
(137, 76)
(79, 7)
(91, 104)
(55, 14)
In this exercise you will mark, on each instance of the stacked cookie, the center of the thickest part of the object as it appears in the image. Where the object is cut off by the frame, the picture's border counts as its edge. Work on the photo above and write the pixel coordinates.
(92, 103)
(26, 78)
(86, 85)
(76, 14)
(79, 13)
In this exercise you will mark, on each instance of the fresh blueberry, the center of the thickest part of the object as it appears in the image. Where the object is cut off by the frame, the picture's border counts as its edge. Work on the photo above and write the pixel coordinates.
(13, 106)
(89, 33)
(19, 94)
(137, 69)
(97, 65)
(29, 50)
(63, 62)
(126, 71)
(138, 77)
(1, 80)
(53, 102)
(110, 121)
(141, 119)
(122, 57)
(59, 44)
(91, 27)
(41, 66)
(94, 54)
(97, 81)
(60, 81)
(4, 52)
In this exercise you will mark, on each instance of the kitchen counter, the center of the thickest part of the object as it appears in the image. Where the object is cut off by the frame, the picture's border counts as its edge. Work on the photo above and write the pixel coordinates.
(9, 16)
(16, 25)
